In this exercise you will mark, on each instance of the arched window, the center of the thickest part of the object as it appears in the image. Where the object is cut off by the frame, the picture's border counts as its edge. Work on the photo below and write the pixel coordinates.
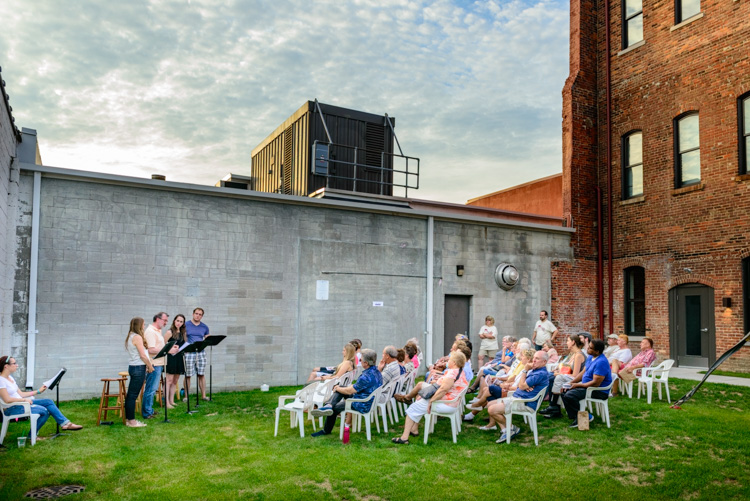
(687, 150)
(632, 165)
(635, 301)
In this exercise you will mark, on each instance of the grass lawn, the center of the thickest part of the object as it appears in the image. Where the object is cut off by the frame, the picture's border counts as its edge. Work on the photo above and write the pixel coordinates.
(745, 375)
(228, 451)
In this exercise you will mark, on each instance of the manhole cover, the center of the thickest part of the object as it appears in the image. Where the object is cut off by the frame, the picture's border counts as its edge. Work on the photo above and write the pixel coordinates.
(56, 491)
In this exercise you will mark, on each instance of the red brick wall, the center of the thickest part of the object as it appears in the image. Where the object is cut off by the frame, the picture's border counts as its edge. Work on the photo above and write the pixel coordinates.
(542, 196)
(702, 66)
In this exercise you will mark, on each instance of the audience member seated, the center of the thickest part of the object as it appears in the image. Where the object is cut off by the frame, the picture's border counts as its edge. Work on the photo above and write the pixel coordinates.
(401, 359)
(388, 366)
(611, 345)
(412, 353)
(533, 379)
(450, 385)
(491, 368)
(522, 344)
(569, 369)
(622, 355)
(346, 365)
(436, 371)
(549, 349)
(357, 347)
(644, 359)
(496, 388)
(597, 374)
(369, 381)
(45, 407)
(586, 340)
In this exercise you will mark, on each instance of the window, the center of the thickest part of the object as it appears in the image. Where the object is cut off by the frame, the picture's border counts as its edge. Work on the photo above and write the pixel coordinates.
(687, 150)
(746, 293)
(635, 301)
(743, 125)
(632, 165)
(632, 26)
(685, 9)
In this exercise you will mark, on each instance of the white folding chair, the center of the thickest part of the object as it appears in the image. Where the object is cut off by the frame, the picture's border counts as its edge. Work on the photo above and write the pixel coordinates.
(408, 385)
(602, 406)
(658, 375)
(26, 413)
(529, 414)
(321, 395)
(384, 400)
(347, 379)
(373, 397)
(454, 415)
(300, 403)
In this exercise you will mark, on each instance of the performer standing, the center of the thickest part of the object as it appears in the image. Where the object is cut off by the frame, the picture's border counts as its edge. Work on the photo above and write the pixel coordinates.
(196, 362)
(175, 363)
(154, 343)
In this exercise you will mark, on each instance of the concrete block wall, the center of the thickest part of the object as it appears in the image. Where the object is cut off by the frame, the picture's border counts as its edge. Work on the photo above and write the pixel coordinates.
(8, 189)
(111, 252)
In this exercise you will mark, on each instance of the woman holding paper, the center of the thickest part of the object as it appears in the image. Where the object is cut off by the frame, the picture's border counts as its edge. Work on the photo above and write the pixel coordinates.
(175, 363)
(139, 364)
(45, 407)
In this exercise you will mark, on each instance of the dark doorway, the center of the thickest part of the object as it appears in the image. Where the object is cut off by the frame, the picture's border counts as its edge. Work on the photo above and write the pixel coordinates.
(692, 332)
(746, 293)
(456, 320)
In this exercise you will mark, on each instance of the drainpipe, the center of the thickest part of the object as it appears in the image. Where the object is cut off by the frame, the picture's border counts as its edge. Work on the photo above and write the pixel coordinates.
(33, 266)
(428, 307)
(599, 259)
(609, 171)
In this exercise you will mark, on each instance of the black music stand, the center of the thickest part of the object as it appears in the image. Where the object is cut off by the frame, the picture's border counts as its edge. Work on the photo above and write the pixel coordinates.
(212, 341)
(193, 348)
(163, 353)
(55, 385)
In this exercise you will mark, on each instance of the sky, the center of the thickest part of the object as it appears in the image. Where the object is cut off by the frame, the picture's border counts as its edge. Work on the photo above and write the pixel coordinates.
(188, 88)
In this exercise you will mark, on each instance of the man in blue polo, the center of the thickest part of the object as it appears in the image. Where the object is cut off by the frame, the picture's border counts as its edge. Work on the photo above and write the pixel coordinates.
(196, 362)
(532, 379)
(597, 374)
(369, 381)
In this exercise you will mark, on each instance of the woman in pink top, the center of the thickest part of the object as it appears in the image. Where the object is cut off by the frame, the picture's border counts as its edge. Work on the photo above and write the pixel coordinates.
(552, 355)
(412, 353)
(452, 383)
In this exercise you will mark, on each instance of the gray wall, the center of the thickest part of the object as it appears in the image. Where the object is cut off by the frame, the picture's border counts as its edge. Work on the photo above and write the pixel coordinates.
(8, 185)
(109, 252)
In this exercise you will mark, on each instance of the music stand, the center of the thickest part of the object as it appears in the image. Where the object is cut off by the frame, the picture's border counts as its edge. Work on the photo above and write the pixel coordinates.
(163, 353)
(54, 384)
(193, 348)
(211, 341)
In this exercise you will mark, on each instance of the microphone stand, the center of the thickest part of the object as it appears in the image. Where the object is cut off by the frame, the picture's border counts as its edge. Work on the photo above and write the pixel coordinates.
(56, 385)
(163, 353)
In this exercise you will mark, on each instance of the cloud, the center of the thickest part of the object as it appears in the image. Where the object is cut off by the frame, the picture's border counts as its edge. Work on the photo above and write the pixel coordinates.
(190, 88)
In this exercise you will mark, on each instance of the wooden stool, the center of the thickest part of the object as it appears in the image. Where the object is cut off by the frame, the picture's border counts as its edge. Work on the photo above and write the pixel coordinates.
(106, 395)
(124, 375)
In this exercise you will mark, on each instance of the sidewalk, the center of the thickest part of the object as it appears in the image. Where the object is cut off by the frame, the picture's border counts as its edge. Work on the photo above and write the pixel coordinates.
(692, 373)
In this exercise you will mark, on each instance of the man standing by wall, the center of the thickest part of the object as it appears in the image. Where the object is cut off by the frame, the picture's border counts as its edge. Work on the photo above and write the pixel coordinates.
(155, 342)
(543, 330)
(196, 362)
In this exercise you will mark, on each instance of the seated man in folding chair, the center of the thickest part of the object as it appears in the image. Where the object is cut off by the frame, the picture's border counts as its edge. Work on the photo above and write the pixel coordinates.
(597, 374)
(369, 381)
(532, 379)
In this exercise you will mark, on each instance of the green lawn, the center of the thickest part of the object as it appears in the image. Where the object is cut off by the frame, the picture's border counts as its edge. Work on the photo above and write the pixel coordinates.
(745, 375)
(228, 451)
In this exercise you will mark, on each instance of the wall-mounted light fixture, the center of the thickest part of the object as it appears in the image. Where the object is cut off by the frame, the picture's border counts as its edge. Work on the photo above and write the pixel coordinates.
(506, 276)
(726, 302)
(460, 270)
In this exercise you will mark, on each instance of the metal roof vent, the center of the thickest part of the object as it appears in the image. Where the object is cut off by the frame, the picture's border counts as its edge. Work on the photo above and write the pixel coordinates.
(159, 177)
(506, 276)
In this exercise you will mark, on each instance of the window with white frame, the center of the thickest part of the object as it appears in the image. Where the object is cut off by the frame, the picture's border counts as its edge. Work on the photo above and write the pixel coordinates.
(632, 25)
(632, 165)
(687, 150)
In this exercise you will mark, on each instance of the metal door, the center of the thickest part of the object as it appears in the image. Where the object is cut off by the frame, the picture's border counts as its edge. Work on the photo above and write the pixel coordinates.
(693, 334)
(456, 320)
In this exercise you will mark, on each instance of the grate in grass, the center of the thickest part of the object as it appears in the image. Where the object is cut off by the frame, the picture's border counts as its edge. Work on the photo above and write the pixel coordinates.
(56, 491)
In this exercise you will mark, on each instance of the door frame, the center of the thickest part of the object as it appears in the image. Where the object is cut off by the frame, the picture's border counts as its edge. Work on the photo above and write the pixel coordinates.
(673, 334)
(470, 298)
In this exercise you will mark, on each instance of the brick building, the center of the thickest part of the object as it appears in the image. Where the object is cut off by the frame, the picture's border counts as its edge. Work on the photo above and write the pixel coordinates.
(656, 147)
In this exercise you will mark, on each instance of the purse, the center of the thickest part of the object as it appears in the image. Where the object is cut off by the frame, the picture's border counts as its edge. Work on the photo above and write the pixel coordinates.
(428, 391)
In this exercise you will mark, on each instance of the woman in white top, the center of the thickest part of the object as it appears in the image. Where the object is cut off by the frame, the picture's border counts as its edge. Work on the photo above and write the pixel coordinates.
(622, 355)
(488, 335)
(45, 407)
(138, 365)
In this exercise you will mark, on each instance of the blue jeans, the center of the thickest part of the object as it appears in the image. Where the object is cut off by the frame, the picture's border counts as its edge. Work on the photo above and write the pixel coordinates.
(152, 384)
(45, 408)
(137, 375)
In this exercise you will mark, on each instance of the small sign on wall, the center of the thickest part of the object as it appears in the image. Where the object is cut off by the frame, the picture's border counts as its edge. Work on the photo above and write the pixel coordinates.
(321, 290)
(377, 303)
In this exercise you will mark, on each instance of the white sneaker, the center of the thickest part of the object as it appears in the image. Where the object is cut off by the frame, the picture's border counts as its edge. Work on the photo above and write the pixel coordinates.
(469, 417)
(488, 428)
(474, 408)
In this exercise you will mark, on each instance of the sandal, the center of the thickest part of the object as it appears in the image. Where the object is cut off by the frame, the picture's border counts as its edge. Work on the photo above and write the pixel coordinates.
(397, 440)
(414, 433)
(72, 427)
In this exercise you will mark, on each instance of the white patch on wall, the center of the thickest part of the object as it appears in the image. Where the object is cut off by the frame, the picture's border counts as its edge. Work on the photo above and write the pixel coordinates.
(321, 290)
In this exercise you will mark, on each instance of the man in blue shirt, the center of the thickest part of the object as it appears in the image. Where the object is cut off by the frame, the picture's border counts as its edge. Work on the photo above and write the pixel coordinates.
(369, 381)
(196, 362)
(597, 374)
(532, 379)
(492, 367)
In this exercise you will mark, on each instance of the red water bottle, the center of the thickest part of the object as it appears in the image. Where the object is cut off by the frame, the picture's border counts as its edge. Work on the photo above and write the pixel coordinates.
(346, 434)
